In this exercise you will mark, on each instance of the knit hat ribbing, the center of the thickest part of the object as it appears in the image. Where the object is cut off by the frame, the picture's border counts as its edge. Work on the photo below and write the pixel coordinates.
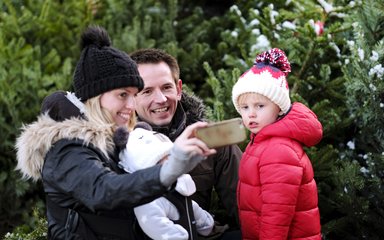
(102, 68)
(266, 77)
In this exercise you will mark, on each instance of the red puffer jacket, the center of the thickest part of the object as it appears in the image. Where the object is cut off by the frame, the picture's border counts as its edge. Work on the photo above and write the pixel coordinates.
(277, 194)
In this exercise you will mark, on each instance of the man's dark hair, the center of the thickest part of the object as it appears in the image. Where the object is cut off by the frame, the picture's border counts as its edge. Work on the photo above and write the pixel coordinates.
(154, 55)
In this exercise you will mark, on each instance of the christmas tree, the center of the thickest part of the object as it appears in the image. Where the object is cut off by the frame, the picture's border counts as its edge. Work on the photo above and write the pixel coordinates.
(326, 44)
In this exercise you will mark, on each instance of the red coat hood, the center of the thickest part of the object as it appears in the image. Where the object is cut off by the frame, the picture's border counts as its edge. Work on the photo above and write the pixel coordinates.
(300, 124)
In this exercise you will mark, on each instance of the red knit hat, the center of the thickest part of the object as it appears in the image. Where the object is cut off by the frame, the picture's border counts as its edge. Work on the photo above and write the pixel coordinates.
(266, 77)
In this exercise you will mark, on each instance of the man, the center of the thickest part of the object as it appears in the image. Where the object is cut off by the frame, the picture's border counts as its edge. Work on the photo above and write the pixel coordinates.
(168, 109)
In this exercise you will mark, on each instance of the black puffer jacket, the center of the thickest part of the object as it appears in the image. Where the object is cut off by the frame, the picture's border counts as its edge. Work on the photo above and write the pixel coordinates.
(79, 174)
(219, 171)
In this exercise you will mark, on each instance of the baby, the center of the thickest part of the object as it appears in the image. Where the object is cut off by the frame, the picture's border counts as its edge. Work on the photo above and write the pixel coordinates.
(167, 217)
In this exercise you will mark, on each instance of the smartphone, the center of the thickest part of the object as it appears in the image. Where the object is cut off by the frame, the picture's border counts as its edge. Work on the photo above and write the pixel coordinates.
(222, 133)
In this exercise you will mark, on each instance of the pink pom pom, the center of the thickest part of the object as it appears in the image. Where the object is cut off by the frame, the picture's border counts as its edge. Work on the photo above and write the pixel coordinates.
(275, 57)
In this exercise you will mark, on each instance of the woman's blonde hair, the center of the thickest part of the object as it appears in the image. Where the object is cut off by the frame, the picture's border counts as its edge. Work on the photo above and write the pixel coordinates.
(243, 97)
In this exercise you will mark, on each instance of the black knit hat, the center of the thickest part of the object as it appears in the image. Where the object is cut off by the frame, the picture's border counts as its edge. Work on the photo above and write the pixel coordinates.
(102, 68)
(61, 105)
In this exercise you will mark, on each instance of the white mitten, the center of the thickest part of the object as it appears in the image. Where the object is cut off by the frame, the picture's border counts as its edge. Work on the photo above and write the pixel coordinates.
(179, 162)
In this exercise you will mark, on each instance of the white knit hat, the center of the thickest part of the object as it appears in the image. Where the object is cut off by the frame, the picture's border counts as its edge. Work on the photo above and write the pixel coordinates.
(266, 77)
(144, 149)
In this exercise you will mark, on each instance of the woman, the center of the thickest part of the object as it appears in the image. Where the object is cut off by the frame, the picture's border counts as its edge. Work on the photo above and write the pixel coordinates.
(87, 194)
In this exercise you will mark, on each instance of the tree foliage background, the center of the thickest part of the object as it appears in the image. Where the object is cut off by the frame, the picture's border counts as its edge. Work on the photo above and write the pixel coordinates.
(337, 72)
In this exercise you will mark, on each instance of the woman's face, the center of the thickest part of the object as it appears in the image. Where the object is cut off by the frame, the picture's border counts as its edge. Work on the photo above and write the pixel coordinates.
(120, 103)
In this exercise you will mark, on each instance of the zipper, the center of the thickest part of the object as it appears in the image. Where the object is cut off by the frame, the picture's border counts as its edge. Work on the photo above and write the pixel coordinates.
(189, 219)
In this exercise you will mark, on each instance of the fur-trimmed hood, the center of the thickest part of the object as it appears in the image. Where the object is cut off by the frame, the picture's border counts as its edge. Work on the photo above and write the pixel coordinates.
(38, 137)
(194, 108)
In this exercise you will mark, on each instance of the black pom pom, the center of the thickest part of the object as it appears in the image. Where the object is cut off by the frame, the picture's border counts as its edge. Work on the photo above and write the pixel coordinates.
(95, 35)
(143, 125)
(120, 137)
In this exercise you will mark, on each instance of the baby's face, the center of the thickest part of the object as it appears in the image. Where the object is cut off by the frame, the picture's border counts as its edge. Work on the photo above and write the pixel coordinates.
(146, 147)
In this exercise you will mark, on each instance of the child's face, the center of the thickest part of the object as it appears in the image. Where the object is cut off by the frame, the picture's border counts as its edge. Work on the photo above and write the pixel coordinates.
(257, 111)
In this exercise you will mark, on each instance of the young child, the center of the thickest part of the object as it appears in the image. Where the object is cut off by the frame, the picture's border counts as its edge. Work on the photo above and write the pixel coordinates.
(167, 217)
(164, 217)
(277, 193)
